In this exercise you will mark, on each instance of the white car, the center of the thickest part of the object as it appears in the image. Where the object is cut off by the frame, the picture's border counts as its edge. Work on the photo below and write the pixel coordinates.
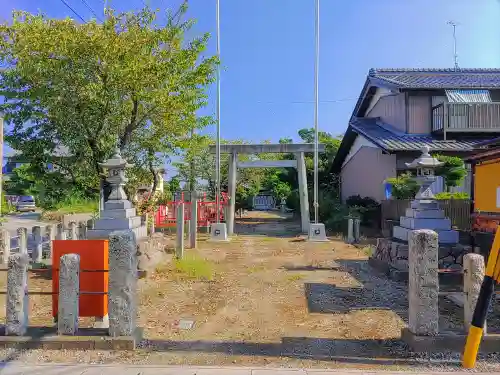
(26, 203)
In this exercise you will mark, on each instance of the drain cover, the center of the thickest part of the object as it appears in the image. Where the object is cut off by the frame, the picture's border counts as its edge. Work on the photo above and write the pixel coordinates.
(185, 324)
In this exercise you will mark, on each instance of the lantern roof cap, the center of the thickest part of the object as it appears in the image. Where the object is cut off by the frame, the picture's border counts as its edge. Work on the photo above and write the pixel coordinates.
(425, 160)
(116, 161)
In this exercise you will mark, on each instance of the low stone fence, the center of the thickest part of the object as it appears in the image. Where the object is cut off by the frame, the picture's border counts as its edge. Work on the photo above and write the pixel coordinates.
(38, 241)
(423, 333)
(122, 301)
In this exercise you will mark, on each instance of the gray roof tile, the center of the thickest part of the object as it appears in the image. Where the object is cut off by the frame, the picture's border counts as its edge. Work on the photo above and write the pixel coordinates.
(439, 78)
(389, 139)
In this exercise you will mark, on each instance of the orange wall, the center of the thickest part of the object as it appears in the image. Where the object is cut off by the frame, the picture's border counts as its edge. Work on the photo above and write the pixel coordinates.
(486, 183)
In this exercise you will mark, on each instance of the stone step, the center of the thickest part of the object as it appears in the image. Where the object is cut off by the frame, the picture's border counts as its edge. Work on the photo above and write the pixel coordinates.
(117, 205)
(424, 204)
(418, 223)
(118, 224)
(118, 214)
(103, 234)
(424, 214)
(444, 236)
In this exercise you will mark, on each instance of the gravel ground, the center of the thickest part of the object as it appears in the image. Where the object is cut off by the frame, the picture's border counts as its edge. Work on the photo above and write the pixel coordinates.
(273, 301)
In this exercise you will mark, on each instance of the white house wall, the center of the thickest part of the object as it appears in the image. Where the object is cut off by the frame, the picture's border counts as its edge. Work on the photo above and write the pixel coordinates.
(359, 142)
(380, 92)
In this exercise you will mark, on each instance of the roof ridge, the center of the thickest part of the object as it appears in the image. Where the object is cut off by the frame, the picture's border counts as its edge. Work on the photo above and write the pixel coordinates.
(374, 71)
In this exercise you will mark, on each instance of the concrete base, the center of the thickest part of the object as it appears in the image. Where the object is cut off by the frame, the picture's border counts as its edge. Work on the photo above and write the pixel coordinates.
(86, 339)
(444, 236)
(103, 234)
(218, 232)
(101, 322)
(447, 341)
(317, 233)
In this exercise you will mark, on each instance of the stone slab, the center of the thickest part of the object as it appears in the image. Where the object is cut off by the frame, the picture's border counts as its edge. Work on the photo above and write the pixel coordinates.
(447, 341)
(118, 224)
(103, 234)
(424, 214)
(85, 339)
(444, 236)
(118, 214)
(427, 223)
(118, 205)
(424, 205)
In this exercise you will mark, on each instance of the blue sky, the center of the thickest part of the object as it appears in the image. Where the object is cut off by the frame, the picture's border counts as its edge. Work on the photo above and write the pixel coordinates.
(267, 51)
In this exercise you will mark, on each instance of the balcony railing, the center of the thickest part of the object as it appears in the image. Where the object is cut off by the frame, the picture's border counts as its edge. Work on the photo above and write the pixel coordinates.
(466, 117)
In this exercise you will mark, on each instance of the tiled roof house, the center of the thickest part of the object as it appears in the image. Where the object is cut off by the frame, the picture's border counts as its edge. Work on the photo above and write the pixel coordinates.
(401, 110)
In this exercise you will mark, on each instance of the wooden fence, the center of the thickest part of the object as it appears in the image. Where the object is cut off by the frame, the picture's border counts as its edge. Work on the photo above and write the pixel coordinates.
(458, 210)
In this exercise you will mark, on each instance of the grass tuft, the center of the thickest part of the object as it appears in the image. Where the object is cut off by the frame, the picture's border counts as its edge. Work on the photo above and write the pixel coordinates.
(194, 267)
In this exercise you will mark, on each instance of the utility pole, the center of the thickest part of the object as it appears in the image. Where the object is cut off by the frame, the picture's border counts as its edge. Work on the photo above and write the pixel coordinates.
(1, 165)
(316, 110)
(217, 141)
(455, 55)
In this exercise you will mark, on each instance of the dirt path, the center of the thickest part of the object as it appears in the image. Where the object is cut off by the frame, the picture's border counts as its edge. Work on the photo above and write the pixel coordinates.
(264, 300)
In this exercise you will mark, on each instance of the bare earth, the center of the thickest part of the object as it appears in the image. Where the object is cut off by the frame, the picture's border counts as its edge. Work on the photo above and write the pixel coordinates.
(273, 300)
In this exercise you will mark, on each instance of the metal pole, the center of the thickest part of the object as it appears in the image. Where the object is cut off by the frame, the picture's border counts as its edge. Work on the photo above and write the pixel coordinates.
(316, 109)
(217, 141)
(1, 165)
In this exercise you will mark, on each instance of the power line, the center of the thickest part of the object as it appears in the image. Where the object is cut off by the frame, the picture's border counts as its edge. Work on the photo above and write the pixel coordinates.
(74, 11)
(91, 10)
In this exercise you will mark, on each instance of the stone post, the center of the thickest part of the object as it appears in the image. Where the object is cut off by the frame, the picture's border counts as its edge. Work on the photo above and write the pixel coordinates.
(69, 290)
(37, 253)
(5, 245)
(423, 283)
(22, 237)
(350, 229)
(50, 231)
(17, 295)
(122, 301)
(233, 171)
(304, 198)
(473, 278)
(90, 224)
(82, 231)
(193, 228)
(151, 223)
(73, 231)
(60, 233)
(179, 244)
(356, 224)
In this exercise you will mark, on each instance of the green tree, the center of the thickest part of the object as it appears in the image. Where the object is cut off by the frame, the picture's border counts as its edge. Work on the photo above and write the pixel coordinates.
(83, 87)
(453, 170)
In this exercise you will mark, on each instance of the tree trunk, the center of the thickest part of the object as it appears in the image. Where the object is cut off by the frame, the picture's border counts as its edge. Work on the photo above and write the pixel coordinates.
(155, 179)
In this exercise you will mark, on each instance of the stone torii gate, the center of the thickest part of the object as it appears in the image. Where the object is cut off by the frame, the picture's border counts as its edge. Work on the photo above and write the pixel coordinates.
(299, 163)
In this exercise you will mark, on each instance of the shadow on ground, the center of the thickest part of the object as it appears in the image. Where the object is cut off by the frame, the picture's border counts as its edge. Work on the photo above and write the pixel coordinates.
(375, 352)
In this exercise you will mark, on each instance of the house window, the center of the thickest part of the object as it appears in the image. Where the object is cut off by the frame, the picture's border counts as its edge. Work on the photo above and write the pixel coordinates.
(468, 96)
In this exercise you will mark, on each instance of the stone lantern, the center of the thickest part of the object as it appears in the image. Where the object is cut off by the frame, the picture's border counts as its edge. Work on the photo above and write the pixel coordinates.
(426, 167)
(118, 213)
(116, 175)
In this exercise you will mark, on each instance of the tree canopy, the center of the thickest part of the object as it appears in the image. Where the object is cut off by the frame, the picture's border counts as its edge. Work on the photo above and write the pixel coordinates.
(74, 91)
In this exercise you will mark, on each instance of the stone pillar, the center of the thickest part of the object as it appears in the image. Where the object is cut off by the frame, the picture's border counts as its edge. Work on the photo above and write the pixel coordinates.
(122, 299)
(473, 278)
(193, 228)
(90, 224)
(60, 233)
(22, 237)
(17, 295)
(304, 199)
(350, 230)
(73, 234)
(82, 231)
(151, 223)
(69, 290)
(37, 253)
(50, 231)
(233, 171)
(357, 235)
(179, 243)
(5, 245)
(423, 283)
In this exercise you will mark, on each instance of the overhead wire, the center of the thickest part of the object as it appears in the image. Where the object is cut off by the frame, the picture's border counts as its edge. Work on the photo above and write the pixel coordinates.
(91, 9)
(74, 11)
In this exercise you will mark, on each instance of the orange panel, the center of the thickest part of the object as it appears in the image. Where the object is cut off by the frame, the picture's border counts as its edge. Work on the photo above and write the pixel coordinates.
(486, 184)
(93, 256)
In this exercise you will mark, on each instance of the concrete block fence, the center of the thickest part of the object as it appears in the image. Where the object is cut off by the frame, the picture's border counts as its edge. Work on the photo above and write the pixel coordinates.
(37, 241)
(122, 285)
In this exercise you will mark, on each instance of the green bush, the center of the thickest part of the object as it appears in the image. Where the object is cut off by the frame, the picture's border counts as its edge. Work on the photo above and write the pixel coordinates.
(403, 186)
(368, 209)
(446, 195)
